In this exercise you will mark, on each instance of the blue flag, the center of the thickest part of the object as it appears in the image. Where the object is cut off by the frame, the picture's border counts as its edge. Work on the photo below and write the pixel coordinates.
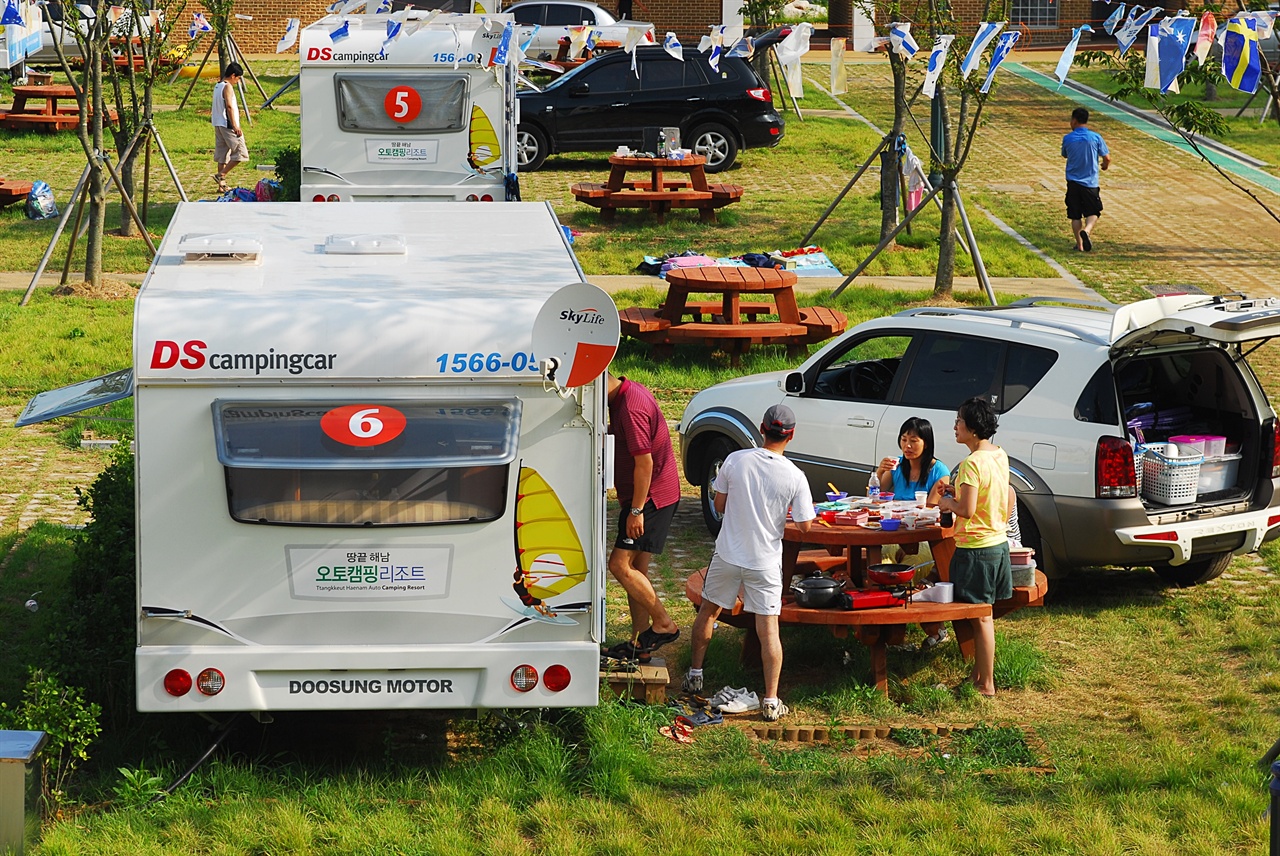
(1134, 27)
(987, 31)
(1069, 54)
(1113, 20)
(11, 14)
(340, 33)
(1175, 39)
(1241, 65)
(900, 38)
(502, 52)
(1003, 48)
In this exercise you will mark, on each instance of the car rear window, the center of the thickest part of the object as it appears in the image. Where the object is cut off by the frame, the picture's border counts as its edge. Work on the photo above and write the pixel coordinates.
(569, 16)
(948, 370)
(668, 73)
(532, 14)
(1097, 403)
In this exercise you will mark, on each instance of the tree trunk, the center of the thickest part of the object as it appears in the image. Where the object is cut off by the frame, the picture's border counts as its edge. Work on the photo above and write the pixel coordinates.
(946, 272)
(889, 180)
(97, 175)
(1211, 90)
(124, 168)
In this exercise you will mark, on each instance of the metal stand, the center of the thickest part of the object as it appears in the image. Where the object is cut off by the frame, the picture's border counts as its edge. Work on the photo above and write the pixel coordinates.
(972, 242)
(288, 84)
(776, 65)
(235, 55)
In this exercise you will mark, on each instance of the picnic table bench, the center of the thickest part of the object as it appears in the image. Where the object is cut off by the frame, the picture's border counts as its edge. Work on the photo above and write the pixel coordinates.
(48, 115)
(658, 194)
(731, 323)
(12, 190)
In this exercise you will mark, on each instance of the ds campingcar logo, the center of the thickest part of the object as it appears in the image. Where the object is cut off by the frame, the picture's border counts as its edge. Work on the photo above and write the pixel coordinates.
(582, 316)
(192, 355)
(327, 55)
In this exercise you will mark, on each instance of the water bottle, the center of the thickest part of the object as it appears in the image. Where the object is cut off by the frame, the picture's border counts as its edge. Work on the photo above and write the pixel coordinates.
(873, 487)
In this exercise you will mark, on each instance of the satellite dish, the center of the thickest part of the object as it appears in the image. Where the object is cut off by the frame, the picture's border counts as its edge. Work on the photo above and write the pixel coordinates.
(577, 328)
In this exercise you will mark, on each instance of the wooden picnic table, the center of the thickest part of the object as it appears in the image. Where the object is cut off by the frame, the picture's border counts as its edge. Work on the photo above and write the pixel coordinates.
(726, 326)
(658, 194)
(36, 106)
(852, 539)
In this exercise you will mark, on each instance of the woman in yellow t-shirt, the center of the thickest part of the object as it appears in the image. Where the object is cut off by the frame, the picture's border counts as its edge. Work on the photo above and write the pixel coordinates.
(979, 497)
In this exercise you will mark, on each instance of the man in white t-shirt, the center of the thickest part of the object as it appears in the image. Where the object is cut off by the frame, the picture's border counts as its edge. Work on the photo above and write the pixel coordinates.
(754, 489)
(228, 145)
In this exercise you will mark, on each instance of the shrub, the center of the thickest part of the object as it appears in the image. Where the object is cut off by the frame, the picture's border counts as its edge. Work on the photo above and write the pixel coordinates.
(71, 724)
(289, 171)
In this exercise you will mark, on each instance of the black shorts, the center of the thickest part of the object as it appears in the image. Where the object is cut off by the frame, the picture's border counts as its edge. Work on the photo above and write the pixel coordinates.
(982, 574)
(1082, 201)
(657, 523)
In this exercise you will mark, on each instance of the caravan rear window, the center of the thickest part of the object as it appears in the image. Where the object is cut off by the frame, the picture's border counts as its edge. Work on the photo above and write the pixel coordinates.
(366, 463)
(402, 103)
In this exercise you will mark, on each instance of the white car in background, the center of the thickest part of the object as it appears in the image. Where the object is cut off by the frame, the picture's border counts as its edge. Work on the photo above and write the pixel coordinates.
(554, 18)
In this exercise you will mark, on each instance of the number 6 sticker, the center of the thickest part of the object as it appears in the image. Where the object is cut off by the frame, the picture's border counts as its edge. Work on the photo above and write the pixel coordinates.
(363, 424)
(403, 104)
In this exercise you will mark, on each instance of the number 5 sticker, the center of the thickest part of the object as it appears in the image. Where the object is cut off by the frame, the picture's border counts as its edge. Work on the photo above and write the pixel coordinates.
(403, 104)
(363, 424)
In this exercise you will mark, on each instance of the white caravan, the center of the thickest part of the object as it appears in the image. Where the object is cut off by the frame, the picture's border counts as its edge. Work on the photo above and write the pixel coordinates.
(20, 41)
(371, 467)
(427, 115)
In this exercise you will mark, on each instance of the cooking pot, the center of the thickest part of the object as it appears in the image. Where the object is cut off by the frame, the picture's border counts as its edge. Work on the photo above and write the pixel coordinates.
(818, 591)
(894, 574)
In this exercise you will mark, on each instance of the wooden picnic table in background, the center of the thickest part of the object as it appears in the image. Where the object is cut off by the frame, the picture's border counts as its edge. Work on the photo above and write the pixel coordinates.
(37, 107)
(731, 323)
(658, 193)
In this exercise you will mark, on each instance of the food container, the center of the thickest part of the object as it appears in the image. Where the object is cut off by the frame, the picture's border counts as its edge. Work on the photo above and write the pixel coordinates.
(1022, 556)
(1218, 473)
(1209, 445)
(836, 496)
(851, 518)
(909, 520)
(890, 524)
(936, 593)
(828, 515)
(1024, 575)
(816, 592)
(886, 497)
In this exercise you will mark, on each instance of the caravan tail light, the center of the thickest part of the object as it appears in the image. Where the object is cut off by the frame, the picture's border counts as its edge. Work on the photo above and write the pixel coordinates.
(486, 198)
(319, 197)
(210, 682)
(524, 678)
(471, 197)
(333, 197)
(760, 93)
(177, 682)
(1113, 471)
(556, 678)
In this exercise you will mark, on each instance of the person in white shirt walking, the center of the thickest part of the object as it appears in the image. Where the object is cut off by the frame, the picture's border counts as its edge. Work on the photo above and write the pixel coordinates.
(228, 148)
(753, 491)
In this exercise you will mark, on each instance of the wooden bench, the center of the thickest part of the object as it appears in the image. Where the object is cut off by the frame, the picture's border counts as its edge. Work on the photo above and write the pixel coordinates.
(876, 628)
(736, 338)
(823, 323)
(639, 319)
(12, 190)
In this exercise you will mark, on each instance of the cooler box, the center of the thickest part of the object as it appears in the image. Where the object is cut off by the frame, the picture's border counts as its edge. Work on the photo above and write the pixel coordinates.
(1218, 473)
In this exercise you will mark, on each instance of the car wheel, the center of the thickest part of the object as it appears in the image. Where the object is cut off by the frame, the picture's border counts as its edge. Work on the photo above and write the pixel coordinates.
(531, 148)
(719, 449)
(717, 144)
(1195, 572)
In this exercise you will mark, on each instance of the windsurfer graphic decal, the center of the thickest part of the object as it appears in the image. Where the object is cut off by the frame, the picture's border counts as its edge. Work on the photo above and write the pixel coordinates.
(549, 555)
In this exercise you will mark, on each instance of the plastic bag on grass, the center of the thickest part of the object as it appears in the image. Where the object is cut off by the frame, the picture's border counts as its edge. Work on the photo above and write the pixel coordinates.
(40, 202)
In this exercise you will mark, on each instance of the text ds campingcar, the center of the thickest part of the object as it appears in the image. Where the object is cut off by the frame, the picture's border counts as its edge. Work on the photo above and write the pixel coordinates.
(371, 466)
(428, 114)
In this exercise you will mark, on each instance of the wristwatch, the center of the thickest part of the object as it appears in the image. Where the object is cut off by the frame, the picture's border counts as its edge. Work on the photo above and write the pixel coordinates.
(636, 512)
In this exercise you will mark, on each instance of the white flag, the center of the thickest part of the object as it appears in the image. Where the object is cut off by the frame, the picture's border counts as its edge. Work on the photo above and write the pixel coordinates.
(789, 51)
(937, 59)
(1069, 54)
(290, 36)
(987, 31)
(1151, 79)
(904, 45)
(671, 45)
(839, 74)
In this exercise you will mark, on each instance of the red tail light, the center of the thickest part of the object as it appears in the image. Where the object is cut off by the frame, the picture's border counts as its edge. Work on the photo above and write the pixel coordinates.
(319, 197)
(1275, 448)
(1113, 469)
(486, 198)
(556, 678)
(177, 682)
(760, 93)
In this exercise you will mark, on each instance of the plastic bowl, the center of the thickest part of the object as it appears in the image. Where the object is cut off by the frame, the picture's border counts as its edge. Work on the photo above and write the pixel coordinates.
(836, 497)
(886, 497)
(829, 516)
(890, 524)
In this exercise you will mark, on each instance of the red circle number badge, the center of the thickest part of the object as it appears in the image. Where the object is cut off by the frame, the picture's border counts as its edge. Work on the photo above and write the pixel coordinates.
(363, 424)
(403, 104)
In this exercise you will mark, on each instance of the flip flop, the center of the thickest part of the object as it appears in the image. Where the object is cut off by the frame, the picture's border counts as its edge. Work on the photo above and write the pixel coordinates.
(650, 640)
(679, 735)
(1085, 242)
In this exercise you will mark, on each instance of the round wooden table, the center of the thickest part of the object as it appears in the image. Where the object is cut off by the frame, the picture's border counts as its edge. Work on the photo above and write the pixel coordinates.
(853, 538)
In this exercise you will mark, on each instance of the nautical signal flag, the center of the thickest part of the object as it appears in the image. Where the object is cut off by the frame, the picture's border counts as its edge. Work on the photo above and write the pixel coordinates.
(1003, 48)
(1241, 64)
(502, 53)
(987, 31)
(290, 36)
(1208, 29)
(901, 40)
(384, 8)
(937, 59)
(1069, 53)
(394, 29)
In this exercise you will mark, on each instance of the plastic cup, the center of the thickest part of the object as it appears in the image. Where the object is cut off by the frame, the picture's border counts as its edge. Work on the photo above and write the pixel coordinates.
(922, 496)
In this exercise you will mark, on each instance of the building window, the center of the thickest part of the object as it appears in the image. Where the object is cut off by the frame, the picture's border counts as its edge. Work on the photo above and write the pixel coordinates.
(1040, 14)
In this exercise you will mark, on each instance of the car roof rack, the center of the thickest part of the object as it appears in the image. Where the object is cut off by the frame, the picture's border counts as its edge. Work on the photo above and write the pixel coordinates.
(1066, 301)
(988, 312)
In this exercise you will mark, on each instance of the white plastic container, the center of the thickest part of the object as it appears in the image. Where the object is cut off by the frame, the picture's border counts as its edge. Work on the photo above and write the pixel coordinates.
(1218, 473)
(936, 593)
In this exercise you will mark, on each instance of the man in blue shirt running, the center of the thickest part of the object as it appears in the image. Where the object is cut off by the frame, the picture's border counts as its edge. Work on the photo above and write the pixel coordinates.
(1083, 150)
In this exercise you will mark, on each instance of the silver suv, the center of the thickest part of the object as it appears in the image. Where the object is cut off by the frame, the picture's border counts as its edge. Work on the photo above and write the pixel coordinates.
(1073, 383)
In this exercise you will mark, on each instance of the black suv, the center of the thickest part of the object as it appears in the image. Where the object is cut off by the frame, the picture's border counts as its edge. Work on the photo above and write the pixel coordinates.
(601, 105)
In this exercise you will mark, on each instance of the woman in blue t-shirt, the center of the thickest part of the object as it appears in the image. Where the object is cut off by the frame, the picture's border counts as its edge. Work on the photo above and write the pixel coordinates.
(917, 469)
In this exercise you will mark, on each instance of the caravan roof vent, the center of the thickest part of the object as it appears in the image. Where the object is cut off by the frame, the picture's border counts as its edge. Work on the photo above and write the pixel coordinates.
(365, 245)
(221, 247)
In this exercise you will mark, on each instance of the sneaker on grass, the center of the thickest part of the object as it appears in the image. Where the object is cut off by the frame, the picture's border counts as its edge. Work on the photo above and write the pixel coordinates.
(726, 695)
(692, 683)
(775, 710)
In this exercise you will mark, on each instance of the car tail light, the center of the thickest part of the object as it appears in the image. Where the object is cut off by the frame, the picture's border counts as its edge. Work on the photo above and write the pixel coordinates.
(1273, 520)
(177, 682)
(760, 93)
(524, 678)
(1113, 470)
(556, 678)
(1157, 536)
(210, 682)
(333, 197)
(471, 197)
(1275, 448)
(319, 197)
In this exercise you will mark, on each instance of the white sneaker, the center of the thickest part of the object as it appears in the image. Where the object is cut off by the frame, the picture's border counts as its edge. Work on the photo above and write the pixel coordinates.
(726, 695)
(775, 710)
(744, 703)
(691, 683)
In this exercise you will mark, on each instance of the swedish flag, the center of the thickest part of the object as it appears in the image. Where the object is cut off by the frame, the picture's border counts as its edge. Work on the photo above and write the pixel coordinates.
(1241, 64)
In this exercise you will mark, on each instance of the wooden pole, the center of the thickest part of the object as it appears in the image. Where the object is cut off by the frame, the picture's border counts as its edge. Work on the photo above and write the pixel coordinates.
(71, 243)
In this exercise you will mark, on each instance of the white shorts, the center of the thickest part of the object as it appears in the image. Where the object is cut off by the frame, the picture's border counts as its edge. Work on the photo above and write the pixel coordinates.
(761, 590)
